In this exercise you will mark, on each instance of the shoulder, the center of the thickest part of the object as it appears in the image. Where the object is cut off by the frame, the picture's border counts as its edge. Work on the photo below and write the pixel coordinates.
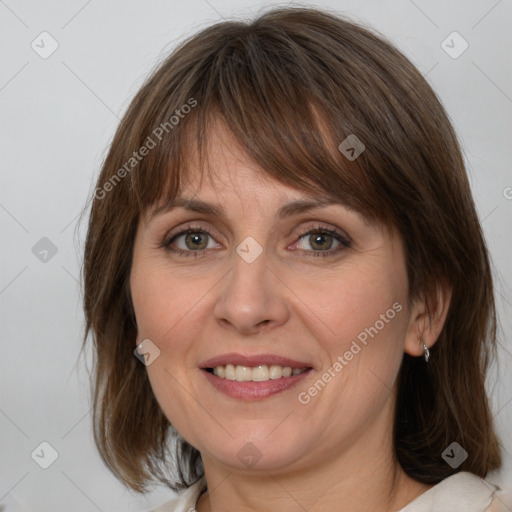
(462, 492)
(186, 501)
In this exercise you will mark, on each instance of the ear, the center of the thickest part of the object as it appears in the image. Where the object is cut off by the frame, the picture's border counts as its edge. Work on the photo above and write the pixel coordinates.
(427, 320)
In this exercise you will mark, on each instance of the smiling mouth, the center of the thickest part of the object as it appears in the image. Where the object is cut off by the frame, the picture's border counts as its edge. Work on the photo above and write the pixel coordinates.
(260, 373)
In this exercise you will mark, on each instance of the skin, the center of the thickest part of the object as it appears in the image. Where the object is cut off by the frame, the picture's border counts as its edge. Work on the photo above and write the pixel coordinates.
(335, 449)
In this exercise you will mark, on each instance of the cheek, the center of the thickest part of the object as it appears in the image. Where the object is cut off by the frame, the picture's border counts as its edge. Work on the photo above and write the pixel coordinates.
(360, 318)
(353, 302)
(168, 311)
(163, 302)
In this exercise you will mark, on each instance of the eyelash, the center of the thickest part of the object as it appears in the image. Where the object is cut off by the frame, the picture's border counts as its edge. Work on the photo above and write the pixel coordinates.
(345, 242)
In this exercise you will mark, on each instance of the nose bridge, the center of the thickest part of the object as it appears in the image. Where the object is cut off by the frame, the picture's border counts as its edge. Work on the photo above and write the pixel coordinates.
(251, 295)
(250, 267)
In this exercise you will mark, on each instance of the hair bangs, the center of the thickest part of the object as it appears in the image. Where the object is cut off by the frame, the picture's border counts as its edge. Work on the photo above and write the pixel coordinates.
(281, 119)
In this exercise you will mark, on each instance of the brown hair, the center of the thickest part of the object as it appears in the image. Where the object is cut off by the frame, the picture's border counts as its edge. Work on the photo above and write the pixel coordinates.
(292, 85)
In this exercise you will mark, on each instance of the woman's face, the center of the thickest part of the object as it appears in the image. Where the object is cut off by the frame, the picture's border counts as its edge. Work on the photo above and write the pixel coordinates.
(252, 282)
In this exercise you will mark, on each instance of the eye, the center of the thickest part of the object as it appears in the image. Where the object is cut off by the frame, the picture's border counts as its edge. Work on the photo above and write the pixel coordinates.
(323, 241)
(192, 240)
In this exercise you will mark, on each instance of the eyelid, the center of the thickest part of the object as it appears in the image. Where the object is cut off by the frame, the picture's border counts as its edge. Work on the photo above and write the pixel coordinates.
(303, 231)
(189, 227)
(325, 228)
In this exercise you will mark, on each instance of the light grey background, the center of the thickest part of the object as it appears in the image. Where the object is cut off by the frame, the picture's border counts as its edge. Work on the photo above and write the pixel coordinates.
(57, 117)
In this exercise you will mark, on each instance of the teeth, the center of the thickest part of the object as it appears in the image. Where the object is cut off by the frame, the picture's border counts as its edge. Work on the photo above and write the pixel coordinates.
(219, 371)
(243, 373)
(258, 373)
(229, 372)
(275, 372)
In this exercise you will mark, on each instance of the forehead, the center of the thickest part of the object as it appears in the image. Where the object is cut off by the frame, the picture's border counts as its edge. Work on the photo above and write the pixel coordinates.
(227, 173)
(222, 169)
(234, 193)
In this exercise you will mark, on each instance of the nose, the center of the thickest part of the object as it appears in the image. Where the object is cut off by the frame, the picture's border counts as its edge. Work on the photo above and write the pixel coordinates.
(251, 297)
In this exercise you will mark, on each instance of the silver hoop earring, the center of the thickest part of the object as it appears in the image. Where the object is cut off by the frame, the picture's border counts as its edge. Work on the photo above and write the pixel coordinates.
(426, 353)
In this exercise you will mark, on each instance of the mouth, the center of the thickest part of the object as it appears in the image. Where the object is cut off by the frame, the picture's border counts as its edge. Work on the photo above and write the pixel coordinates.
(253, 377)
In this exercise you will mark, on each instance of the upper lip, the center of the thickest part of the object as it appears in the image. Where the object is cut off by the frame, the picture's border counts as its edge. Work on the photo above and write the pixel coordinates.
(252, 360)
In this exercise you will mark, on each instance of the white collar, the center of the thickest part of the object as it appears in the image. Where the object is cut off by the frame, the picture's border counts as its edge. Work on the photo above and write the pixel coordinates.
(462, 492)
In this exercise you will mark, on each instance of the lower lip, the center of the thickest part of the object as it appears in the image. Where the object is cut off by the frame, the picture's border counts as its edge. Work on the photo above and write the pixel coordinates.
(250, 390)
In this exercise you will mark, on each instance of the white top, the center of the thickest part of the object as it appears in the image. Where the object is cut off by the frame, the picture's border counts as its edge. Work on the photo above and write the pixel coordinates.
(461, 492)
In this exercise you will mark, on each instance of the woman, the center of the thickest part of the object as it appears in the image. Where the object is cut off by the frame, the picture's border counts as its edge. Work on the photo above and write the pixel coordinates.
(313, 316)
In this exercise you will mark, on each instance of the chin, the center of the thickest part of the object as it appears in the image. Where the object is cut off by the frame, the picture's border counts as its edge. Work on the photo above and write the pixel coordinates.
(253, 453)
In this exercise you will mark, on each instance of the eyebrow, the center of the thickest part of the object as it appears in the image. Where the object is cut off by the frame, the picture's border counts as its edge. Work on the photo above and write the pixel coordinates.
(286, 210)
